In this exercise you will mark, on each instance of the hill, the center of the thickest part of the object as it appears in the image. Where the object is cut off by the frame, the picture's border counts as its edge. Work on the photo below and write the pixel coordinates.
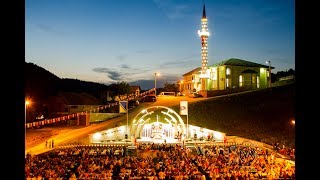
(40, 84)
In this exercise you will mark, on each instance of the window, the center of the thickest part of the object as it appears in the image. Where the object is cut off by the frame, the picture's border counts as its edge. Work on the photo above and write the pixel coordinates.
(227, 80)
(253, 79)
(228, 71)
(258, 82)
(240, 80)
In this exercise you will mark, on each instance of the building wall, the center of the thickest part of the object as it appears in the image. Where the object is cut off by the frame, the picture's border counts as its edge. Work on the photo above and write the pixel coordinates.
(98, 117)
(263, 78)
(220, 81)
(191, 82)
(81, 108)
(221, 77)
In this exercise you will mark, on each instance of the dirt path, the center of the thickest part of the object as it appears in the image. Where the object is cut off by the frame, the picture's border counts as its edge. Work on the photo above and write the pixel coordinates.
(35, 137)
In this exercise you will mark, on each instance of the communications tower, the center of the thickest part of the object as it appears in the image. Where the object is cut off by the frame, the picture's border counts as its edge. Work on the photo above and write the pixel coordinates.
(204, 33)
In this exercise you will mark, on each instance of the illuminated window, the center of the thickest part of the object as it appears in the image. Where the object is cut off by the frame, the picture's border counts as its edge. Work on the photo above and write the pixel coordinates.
(253, 79)
(214, 73)
(258, 82)
(227, 80)
(240, 80)
(228, 71)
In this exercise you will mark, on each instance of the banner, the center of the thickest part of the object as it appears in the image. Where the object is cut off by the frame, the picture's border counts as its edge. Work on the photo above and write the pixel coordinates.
(123, 106)
(183, 107)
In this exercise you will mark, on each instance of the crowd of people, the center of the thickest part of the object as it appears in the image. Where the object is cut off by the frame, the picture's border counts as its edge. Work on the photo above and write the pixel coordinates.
(287, 151)
(158, 161)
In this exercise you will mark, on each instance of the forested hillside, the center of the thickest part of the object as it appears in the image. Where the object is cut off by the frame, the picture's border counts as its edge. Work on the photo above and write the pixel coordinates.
(40, 84)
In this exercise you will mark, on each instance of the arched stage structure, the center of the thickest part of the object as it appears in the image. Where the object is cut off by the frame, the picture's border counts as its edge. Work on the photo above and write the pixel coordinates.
(157, 122)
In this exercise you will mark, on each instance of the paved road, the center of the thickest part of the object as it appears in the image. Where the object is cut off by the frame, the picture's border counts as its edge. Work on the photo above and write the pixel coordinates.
(72, 134)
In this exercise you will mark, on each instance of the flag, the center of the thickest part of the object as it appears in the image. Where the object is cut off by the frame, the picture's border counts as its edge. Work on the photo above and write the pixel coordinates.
(123, 106)
(183, 107)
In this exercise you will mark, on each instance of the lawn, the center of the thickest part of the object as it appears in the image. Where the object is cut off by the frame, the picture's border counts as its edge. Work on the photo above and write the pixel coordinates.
(263, 115)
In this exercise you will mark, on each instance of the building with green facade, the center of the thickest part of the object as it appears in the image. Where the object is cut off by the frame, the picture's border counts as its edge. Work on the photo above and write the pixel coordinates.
(227, 74)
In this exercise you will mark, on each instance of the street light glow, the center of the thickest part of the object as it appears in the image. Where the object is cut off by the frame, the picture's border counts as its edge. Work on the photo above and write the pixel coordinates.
(293, 122)
(27, 102)
(181, 82)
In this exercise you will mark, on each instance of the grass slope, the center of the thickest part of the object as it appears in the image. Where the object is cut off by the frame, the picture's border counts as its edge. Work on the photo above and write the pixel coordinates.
(263, 115)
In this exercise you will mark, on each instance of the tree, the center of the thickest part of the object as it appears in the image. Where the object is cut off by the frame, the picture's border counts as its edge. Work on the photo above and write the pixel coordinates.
(291, 72)
(170, 88)
(120, 90)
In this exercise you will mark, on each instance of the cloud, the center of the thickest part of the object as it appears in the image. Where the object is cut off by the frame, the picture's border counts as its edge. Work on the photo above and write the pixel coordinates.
(148, 84)
(48, 29)
(253, 15)
(143, 51)
(180, 62)
(124, 66)
(112, 74)
(173, 9)
(121, 57)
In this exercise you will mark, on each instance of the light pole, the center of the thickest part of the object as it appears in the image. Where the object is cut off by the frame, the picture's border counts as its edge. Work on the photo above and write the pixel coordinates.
(155, 83)
(181, 82)
(27, 102)
(269, 62)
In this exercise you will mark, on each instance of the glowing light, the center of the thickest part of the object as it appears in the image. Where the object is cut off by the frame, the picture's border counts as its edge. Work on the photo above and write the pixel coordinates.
(293, 122)
(97, 136)
(218, 135)
(122, 128)
(206, 75)
(203, 33)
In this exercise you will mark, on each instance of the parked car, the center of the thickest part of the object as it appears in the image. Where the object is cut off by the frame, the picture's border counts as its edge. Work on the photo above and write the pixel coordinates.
(195, 95)
(180, 94)
(133, 103)
(149, 98)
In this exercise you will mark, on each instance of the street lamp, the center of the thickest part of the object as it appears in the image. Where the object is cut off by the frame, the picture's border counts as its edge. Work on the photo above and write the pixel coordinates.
(25, 111)
(181, 82)
(155, 82)
(27, 102)
(269, 62)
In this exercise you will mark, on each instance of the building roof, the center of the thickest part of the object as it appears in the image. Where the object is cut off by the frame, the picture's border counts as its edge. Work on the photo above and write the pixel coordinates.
(240, 62)
(230, 62)
(135, 88)
(249, 71)
(195, 71)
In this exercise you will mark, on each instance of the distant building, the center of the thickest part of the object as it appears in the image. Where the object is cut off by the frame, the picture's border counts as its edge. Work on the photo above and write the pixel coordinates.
(231, 73)
(135, 91)
(69, 103)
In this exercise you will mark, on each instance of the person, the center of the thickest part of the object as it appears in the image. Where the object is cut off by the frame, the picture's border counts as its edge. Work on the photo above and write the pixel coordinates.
(52, 143)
